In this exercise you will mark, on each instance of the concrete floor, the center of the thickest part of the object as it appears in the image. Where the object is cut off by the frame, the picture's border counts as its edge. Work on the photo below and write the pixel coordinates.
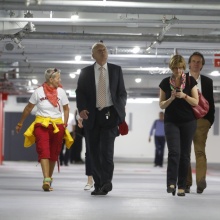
(139, 192)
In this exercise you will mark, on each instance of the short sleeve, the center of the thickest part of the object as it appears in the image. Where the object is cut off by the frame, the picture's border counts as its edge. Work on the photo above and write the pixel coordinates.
(192, 82)
(33, 98)
(164, 84)
(63, 96)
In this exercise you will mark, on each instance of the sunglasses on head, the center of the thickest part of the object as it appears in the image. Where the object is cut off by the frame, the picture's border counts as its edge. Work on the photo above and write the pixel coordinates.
(54, 71)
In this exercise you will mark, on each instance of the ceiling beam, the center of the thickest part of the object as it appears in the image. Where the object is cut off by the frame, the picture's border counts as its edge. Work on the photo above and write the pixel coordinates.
(204, 9)
(109, 37)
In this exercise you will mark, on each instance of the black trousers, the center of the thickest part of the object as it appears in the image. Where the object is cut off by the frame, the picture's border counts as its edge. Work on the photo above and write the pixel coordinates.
(76, 149)
(64, 157)
(101, 144)
(88, 163)
(179, 140)
(159, 150)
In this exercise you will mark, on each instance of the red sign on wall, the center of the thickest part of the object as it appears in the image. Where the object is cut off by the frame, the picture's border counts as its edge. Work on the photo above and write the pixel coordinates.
(217, 60)
(217, 63)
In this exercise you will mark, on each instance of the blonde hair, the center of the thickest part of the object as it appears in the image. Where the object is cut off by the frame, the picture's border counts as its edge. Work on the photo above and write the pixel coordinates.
(177, 61)
(51, 73)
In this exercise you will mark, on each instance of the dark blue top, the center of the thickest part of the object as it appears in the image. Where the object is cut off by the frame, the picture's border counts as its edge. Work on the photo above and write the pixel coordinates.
(158, 126)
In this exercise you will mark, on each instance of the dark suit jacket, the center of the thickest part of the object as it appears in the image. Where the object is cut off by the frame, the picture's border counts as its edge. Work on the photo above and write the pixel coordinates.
(207, 91)
(86, 92)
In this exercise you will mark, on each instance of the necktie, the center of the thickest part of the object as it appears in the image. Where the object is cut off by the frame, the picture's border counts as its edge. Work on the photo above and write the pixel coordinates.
(101, 96)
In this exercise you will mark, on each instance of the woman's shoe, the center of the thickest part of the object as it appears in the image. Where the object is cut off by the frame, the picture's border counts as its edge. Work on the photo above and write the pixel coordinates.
(171, 189)
(88, 186)
(51, 188)
(47, 184)
(181, 192)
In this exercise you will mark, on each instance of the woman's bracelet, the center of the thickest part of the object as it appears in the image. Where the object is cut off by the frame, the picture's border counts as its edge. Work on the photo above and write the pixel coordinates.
(19, 124)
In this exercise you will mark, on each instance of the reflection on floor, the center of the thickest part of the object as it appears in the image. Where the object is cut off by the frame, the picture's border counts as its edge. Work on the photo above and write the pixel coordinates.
(139, 192)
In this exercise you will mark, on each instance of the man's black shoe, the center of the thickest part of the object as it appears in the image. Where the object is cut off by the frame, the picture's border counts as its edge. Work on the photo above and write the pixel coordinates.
(107, 187)
(98, 192)
(95, 192)
(103, 191)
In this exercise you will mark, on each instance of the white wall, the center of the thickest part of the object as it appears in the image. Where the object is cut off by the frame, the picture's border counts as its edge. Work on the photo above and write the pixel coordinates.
(135, 144)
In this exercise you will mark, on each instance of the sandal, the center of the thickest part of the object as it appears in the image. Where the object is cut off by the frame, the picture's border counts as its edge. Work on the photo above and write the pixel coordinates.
(47, 184)
(51, 188)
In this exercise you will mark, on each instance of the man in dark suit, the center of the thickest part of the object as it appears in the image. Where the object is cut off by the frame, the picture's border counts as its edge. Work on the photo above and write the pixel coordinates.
(101, 99)
(205, 85)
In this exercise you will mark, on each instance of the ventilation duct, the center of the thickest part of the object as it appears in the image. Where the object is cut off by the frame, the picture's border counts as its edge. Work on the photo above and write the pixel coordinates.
(10, 28)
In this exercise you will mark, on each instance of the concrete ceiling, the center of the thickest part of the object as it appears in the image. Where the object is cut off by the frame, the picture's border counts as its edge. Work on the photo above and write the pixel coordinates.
(38, 34)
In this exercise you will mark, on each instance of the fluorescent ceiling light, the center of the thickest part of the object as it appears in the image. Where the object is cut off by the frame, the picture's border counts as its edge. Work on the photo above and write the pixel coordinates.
(78, 71)
(136, 49)
(74, 16)
(72, 75)
(34, 81)
(78, 58)
(215, 73)
(138, 80)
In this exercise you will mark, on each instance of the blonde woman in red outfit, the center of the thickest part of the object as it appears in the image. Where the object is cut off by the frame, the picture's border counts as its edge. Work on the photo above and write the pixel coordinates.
(48, 129)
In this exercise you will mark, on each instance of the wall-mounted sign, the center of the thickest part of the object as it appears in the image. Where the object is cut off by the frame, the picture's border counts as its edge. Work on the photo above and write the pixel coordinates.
(217, 60)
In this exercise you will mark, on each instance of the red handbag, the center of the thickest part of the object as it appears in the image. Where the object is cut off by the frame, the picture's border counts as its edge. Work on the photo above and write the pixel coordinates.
(202, 108)
(123, 128)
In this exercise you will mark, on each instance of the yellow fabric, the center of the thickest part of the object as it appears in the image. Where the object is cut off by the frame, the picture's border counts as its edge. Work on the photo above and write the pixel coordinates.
(29, 137)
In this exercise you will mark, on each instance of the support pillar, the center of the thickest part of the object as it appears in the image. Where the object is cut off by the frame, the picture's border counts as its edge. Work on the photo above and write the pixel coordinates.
(3, 97)
(1, 128)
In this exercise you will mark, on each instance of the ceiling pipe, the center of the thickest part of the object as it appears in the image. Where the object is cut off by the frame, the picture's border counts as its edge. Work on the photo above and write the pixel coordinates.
(110, 37)
(166, 28)
(101, 21)
(211, 9)
(161, 35)
(135, 4)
